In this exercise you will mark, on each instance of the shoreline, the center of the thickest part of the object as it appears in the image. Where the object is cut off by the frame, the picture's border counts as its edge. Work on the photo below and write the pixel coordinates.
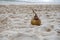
(26, 3)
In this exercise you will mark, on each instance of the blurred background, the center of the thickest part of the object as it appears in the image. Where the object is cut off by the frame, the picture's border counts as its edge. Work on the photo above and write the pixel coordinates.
(32, 1)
